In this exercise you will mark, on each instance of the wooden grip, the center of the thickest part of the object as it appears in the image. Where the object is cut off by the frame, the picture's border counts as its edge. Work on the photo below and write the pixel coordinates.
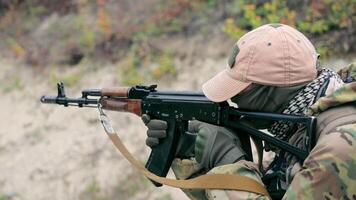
(115, 91)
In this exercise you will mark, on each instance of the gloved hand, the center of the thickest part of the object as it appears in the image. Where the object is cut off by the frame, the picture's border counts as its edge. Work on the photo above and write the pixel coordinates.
(214, 145)
(156, 130)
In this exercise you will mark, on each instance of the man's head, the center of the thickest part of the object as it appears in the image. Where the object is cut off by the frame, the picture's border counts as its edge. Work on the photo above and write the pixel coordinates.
(271, 55)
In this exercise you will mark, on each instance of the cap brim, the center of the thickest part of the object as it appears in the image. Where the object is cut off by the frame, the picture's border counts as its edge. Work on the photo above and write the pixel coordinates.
(222, 87)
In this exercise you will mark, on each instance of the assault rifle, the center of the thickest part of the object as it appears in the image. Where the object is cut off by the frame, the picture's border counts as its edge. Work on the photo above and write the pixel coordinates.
(177, 108)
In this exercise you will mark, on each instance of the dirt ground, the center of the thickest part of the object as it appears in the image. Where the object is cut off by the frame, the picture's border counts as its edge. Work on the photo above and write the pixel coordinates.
(52, 152)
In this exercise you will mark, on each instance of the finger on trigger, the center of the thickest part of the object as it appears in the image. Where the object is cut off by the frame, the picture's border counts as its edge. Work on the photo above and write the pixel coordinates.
(193, 126)
(145, 118)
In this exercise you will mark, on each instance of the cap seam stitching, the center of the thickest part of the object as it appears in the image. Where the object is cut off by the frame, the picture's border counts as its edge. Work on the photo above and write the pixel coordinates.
(288, 66)
(284, 55)
(250, 61)
(251, 56)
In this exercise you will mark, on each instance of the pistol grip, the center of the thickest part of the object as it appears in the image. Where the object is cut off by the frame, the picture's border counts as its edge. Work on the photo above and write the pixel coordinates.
(162, 155)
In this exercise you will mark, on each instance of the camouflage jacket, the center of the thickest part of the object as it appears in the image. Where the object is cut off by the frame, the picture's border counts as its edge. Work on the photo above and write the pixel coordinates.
(345, 94)
(336, 104)
(334, 155)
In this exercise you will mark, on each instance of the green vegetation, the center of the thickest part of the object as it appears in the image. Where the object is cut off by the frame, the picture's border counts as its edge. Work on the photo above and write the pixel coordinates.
(92, 192)
(125, 189)
(69, 79)
(131, 186)
(3, 197)
(143, 64)
(14, 83)
(44, 32)
(312, 17)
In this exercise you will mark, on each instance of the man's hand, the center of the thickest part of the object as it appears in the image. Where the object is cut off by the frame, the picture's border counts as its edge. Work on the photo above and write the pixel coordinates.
(215, 145)
(156, 130)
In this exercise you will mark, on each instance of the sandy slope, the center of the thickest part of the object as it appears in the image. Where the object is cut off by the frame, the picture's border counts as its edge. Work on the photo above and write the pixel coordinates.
(51, 152)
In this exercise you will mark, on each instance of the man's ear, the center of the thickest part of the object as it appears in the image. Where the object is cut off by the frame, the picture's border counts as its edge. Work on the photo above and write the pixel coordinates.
(235, 50)
(317, 64)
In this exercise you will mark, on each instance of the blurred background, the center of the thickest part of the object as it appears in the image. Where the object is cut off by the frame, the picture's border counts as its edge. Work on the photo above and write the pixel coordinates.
(51, 152)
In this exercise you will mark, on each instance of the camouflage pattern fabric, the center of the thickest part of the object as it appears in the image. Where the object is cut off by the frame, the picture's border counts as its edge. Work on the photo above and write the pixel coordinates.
(329, 172)
(185, 168)
(188, 168)
(243, 168)
(348, 74)
(345, 94)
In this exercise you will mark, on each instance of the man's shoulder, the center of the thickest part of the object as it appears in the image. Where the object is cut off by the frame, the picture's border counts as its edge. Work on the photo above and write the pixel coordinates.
(344, 95)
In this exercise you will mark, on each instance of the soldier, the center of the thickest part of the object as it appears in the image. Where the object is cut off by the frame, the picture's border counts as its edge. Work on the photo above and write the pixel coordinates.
(274, 69)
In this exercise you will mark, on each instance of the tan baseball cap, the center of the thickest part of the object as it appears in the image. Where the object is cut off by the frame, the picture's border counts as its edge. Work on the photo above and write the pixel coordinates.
(272, 54)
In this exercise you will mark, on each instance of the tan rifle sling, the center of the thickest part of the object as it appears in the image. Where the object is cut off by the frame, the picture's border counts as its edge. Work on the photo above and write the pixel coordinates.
(207, 181)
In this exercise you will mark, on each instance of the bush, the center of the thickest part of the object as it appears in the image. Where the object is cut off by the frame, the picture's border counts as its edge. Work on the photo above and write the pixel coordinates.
(65, 31)
(312, 17)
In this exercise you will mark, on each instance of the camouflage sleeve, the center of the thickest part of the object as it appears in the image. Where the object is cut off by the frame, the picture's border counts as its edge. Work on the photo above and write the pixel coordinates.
(242, 168)
(329, 170)
(345, 94)
(187, 168)
(348, 74)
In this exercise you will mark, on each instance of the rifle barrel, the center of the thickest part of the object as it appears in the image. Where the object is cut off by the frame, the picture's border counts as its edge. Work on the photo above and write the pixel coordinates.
(67, 101)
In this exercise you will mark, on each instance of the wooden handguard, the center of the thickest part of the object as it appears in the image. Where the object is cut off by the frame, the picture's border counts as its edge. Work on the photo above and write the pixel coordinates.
(122, 105)
(115, 91)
